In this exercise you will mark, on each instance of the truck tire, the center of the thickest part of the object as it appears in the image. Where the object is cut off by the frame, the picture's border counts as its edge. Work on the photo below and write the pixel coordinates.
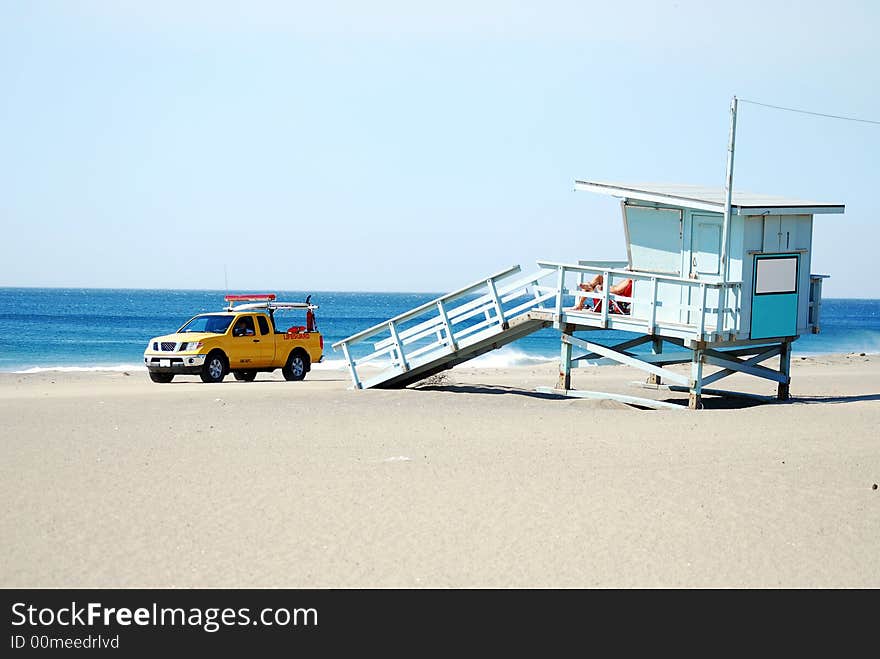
(161, 378)
(244, 376)
(297, 366)
(214, 369)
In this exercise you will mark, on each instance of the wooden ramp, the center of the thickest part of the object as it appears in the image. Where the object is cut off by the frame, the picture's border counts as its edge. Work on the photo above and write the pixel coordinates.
(420, 369)
(449, 330)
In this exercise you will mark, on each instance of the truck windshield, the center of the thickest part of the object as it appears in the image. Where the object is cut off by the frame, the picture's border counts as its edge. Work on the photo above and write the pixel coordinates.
(213, 324)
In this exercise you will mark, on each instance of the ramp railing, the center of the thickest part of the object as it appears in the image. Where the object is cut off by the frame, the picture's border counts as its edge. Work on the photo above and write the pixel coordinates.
(447, 324)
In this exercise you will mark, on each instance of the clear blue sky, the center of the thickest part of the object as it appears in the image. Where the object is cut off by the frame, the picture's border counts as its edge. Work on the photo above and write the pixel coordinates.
(406, 145)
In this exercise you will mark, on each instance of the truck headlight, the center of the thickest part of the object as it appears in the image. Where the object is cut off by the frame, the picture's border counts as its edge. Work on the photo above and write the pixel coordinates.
(192, 345)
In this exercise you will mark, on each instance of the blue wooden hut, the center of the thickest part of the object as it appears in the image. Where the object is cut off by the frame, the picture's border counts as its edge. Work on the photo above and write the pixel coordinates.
(709, 287)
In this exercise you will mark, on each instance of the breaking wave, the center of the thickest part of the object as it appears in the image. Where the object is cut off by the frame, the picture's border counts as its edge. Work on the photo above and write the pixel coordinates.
(506, 357)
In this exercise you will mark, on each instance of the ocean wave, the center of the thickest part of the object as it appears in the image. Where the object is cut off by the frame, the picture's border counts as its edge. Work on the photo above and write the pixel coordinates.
(505, 358)
(117, 368)
(330, 365)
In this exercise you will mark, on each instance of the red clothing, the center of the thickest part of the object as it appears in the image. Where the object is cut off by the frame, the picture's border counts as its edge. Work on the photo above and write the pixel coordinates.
(615, 306)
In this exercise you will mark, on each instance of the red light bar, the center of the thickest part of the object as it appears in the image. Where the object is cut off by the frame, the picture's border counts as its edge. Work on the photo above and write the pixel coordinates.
(262, 297)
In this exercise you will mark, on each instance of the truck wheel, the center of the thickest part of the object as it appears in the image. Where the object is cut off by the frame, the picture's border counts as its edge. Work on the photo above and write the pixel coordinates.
(297, 365)
(161, 378)
(214, 369)
(244, 376)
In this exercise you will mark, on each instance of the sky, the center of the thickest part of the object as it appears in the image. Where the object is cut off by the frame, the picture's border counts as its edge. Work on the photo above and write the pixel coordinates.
(411, 146)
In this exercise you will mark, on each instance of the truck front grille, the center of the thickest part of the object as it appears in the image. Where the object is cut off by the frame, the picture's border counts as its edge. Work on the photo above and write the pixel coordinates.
(168, 346)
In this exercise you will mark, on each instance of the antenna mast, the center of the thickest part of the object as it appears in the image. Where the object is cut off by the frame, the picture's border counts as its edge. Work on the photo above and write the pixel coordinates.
(728, 196)
(728, 203)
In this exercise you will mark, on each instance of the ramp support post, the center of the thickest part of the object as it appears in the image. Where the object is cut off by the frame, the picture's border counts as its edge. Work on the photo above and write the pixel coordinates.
(351, 368)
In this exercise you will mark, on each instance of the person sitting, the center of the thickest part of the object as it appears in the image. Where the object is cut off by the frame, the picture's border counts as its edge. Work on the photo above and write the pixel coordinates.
(241, 328)
(623, 289)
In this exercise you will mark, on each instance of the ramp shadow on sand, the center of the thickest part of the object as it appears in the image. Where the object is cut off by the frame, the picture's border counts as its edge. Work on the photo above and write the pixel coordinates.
(812, 400)
(709, 402)
(486, 389)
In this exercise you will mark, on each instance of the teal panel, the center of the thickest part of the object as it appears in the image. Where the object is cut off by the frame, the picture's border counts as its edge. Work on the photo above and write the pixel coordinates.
(774, 315)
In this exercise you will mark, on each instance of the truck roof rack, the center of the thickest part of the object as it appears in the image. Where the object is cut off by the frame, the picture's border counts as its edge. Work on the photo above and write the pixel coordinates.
(264, 301)
(257, 297)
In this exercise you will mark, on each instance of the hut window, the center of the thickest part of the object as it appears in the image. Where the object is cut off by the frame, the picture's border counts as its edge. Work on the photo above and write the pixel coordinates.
(653, 237)
(776, 275)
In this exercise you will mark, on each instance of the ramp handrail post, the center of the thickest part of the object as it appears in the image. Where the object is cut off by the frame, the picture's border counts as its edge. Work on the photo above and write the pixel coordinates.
(351, 367)
(397, 343)
(701, 330)
(536, 293)
(441, 309)
(496, 302)
(653, 320)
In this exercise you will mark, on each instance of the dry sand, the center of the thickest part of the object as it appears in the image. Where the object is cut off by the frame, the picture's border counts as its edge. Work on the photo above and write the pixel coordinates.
(109, 480)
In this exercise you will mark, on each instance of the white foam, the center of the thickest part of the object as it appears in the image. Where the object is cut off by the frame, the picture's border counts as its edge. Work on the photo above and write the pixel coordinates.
(341, 364)
(502, 358)
(506, 357)
(118, 368)
(330, 365)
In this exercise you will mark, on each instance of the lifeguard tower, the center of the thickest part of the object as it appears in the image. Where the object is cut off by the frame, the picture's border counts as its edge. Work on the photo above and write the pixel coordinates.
(730, 297)
(723, 276)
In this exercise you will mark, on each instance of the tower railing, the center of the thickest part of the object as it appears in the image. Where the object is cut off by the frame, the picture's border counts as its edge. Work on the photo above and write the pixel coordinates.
(693, 303)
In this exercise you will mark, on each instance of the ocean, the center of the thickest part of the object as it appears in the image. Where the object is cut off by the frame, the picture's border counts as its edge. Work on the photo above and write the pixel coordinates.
(91, 329)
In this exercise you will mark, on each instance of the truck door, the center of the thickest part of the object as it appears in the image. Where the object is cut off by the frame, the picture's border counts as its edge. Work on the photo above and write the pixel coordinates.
(265, 344)
(243, 346)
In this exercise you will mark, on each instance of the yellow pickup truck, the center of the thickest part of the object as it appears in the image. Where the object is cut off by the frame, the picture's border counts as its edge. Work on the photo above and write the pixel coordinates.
(243, 340)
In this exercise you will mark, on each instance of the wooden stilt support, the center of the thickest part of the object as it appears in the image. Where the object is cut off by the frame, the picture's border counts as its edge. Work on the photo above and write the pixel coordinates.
(695, 401)
(656, 349)
(782, 388)
(564, 381)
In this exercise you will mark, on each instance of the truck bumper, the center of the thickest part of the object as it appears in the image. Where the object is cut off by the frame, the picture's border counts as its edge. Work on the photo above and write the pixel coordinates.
(163, 363)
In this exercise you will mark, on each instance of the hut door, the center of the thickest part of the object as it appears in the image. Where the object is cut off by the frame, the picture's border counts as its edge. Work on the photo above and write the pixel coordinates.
(705, 257)
(705, 246)
(775, 296)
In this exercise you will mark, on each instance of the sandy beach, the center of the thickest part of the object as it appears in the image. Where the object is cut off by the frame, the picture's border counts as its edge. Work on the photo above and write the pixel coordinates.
(109, 480)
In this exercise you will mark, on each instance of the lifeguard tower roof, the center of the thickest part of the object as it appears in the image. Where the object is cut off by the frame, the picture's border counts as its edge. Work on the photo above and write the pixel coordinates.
(710, 198)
